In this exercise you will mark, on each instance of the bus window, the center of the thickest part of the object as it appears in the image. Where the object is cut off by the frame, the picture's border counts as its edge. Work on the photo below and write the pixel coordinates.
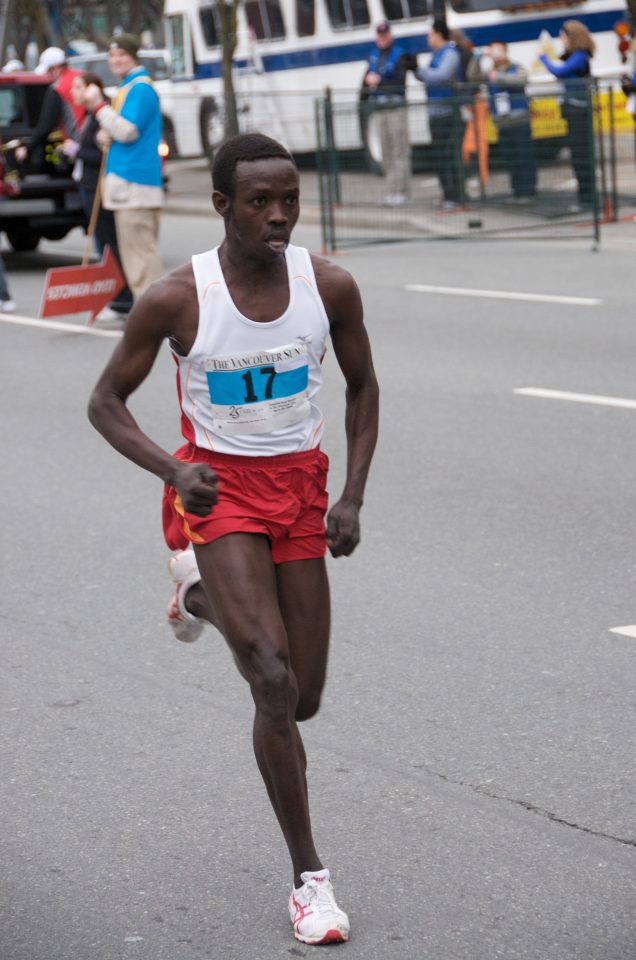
(209, 26)
(305, 18)
(177, 45)
(405, 9)
(348, 13)
(508, 6)
(265, 18)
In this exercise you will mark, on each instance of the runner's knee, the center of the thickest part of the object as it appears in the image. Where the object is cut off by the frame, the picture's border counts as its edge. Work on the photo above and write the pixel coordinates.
(273, 687)
(308, 706)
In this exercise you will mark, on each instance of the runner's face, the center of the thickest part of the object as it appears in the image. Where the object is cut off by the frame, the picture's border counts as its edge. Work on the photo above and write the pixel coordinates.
(264, 209)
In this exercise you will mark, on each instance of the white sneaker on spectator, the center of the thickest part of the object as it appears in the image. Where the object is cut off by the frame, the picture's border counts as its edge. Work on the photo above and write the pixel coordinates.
(473, 187)
(395, 200)
(7, 306)
(108, 315)
(314, 913)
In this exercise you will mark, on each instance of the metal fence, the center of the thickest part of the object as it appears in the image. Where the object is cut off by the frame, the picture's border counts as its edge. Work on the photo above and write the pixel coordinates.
(548, 165)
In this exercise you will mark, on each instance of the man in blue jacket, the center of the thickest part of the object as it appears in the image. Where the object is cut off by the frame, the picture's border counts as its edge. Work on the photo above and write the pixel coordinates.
(385, 82)
(447, 128)
(133, 184)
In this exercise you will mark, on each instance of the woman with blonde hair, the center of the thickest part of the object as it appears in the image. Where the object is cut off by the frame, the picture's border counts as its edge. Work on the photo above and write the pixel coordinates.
(575, 71)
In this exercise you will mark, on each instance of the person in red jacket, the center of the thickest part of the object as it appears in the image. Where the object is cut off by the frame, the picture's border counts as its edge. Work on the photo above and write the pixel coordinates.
(59, 111)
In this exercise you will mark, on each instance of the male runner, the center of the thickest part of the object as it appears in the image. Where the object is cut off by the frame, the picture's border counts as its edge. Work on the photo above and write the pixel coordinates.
(248, 324)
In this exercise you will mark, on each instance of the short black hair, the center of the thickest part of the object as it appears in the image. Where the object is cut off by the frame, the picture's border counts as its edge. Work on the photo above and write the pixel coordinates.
(441, 27)
(241, 148)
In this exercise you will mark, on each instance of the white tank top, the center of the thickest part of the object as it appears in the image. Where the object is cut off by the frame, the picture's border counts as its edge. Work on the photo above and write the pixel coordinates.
(246, 388)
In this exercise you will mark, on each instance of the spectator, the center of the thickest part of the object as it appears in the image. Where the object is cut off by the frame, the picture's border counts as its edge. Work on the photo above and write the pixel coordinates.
(511, 111)
(628, 85)
(86, 171)
(475, 146)
(468, 62)
(133, 184)
(7, 305)
(574, 70)
(440, 77)
(385, 80)
(58, 110)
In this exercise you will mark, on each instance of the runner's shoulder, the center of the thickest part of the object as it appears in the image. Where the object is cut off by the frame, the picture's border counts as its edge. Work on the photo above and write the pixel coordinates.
(165, 303)
(336, 286)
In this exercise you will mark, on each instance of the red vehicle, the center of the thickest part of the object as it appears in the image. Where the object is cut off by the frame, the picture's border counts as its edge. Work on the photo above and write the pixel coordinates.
(38, 199)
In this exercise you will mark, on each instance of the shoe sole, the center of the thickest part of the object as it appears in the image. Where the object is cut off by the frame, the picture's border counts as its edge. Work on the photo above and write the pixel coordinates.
(331, 936)
(184, 632)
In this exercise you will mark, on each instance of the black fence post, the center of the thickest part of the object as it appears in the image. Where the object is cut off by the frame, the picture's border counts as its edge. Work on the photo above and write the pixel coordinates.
(612, 155)
(331, 147)
(324, 178)
(596, 210)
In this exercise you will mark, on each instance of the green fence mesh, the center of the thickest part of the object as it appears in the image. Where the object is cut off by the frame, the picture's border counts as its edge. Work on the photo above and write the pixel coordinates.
(475, 167)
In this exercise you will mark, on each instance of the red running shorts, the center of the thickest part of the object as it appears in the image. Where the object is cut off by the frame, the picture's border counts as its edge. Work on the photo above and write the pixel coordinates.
(283, 497)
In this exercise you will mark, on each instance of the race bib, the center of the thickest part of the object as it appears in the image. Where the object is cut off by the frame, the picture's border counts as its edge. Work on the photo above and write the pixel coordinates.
(259, 392)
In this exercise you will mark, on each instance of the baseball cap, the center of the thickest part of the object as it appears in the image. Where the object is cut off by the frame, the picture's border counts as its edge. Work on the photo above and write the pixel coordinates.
(51, 57)
(125, 42)
(13, 66)
(383, 27)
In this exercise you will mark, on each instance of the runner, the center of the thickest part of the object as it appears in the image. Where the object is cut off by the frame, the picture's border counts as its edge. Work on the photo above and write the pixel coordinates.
(248, 324)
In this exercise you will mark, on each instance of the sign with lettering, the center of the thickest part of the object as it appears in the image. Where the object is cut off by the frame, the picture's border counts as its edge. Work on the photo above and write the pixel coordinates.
(80, 289)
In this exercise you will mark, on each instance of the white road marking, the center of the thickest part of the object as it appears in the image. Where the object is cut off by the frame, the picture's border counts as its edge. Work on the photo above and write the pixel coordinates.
(576, 397)
(57, 325)
(629, 631)
(504, 295)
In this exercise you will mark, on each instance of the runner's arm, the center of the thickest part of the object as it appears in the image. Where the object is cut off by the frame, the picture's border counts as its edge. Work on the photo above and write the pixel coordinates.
(151, 321)
(350, 341)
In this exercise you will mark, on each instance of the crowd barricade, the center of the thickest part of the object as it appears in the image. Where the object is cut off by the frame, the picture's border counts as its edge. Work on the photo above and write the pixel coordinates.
(561, 167)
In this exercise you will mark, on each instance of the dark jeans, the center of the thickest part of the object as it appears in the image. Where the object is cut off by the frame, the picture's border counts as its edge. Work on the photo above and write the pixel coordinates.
(446, 135)
(106, 235)
(4, 288)
(517, 154)
(579, 136)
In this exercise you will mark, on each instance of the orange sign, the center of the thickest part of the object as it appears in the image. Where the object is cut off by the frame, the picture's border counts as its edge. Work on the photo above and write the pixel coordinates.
(78, 289)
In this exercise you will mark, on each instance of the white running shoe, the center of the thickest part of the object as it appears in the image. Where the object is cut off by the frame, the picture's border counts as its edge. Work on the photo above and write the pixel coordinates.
(7, 306)
(315, 915)
(109, 319)
(185, 573)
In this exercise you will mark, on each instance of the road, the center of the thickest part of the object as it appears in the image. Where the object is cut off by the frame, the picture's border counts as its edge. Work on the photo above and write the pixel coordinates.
(472, 768)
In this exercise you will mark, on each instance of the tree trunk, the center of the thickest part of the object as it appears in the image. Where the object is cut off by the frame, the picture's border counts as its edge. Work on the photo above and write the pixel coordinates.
(228, 22)
(631, 8)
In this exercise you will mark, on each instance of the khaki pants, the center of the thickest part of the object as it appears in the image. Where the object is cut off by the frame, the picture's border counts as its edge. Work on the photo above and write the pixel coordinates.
(396, 151)
(138, 241)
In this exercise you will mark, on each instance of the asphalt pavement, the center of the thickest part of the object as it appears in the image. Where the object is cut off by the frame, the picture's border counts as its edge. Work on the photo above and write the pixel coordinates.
(472, 769)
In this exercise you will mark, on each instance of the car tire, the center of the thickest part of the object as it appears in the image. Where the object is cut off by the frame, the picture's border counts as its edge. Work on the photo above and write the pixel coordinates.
(23, 239)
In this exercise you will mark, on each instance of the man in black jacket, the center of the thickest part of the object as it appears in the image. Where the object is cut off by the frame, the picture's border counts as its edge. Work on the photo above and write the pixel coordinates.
(58, 110)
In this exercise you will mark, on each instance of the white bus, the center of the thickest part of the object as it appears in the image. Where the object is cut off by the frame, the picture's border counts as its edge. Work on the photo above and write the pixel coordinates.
(289, 51)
